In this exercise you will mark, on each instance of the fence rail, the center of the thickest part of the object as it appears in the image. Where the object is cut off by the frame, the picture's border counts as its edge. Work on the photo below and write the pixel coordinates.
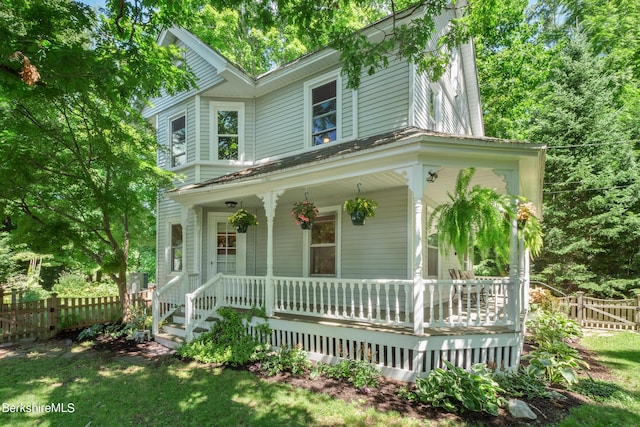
(20, 319)
(621, 315)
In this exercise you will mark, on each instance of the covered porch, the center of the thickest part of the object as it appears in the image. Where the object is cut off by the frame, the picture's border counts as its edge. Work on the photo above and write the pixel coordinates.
(387, 293)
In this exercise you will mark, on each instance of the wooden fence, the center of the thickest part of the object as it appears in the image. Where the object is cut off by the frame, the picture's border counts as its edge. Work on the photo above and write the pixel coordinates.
(621, 315)
(45, 318)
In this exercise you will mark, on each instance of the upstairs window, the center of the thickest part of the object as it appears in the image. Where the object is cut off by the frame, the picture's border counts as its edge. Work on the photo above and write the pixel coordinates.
(323, 109)
(228, 119)
(178, 142)
(324, 123)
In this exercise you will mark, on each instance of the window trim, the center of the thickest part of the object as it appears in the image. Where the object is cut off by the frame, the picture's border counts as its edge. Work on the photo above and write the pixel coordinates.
(308, 107)
(171, 156)
(306, 244)
(216, 106)
(170, 248)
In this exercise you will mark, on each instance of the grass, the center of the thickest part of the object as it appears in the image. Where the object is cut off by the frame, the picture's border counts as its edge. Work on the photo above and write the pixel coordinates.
(613, 403)
(128, 391)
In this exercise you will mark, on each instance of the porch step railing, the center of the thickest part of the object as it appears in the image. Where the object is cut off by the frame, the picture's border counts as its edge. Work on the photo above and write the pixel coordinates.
(201, 303)
(375, 301)
(166, 300)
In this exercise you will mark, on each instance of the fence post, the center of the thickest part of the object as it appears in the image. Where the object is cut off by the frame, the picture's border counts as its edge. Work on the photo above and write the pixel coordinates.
(579, 306)
(638, 313)
(54, 313)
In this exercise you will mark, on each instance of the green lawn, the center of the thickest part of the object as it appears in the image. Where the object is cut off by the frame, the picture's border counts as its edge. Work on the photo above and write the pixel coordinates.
(97, 389)
(614, 404)
(129, 391)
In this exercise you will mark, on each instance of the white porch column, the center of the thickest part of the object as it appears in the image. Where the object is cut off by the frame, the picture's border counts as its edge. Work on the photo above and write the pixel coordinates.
(417, 182)
(184, 220)
(197, 243)
(270, 201)
(515, 291)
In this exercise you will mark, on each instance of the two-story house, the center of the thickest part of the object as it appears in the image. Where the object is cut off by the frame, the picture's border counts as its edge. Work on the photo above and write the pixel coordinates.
(296, 133)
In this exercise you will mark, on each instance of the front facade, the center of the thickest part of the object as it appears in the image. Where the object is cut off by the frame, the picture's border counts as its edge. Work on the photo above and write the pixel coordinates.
(297, 133)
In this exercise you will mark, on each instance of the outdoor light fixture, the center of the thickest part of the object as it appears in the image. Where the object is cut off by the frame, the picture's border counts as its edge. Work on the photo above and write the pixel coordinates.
(230, 204)
(432, 176)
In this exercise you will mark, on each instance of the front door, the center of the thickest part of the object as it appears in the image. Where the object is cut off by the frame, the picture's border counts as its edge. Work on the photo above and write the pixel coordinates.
(222, 244)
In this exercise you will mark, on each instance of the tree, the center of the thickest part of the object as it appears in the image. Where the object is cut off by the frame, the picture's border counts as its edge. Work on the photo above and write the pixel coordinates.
(78, 166)
(592, 192)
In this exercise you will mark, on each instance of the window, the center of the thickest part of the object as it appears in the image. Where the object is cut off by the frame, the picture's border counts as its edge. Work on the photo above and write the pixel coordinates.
(228, 120)
(226, 248)
(324, 109)
(323, 245)
(323, 106)
(176, 247)
(178, 142)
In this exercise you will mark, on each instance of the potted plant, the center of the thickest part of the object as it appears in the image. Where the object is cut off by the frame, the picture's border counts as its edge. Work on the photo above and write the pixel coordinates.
(529, 227)
(304, 213)
(360, 209)
(476, 216)
(242, 219)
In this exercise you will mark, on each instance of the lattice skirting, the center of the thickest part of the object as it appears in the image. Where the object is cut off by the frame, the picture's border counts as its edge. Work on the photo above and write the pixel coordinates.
(401, 356)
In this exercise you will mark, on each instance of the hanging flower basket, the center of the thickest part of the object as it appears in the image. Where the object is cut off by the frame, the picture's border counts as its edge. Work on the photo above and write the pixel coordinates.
(242, 219)
(360, 209)
(304, 213)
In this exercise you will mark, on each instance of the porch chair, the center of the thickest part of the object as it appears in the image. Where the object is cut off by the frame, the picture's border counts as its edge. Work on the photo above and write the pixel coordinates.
(471, 290)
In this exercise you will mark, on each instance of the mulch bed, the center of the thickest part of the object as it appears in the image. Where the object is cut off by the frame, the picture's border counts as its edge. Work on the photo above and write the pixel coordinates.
(385, 397)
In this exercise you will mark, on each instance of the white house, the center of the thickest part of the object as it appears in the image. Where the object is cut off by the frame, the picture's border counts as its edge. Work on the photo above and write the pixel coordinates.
(380, 291)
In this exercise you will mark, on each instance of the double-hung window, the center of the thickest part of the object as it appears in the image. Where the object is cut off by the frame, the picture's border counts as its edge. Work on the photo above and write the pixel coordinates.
(178, 142)
(228, 130)
(323, 108)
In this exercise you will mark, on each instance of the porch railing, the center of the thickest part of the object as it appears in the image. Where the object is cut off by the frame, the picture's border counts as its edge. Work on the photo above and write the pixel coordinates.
(201, 303)
(166, 300)
(480, 302)
(376, 301)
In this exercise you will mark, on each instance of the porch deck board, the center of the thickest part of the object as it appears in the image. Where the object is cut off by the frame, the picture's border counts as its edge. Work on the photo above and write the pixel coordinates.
(405, 330)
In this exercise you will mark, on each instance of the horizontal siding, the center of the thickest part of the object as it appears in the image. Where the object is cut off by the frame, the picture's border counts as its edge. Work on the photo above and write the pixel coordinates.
(167, 211)
(205, 74)
(379, 248)
(383, 100)
(279, 122)
(287, 244)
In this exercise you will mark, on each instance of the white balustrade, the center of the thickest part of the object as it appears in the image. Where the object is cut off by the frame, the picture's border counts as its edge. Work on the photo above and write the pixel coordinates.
(378, 301)
(166, 300)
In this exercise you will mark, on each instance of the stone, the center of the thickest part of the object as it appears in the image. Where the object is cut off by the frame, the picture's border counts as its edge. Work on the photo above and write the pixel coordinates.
(519, 409)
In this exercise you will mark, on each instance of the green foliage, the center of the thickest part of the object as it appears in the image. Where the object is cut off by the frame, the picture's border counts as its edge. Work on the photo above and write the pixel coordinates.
(600, 391)
(473, 216)
(553, 359)
(74, 284)
(228, 342)
(523, 384)
(294, 360)
(362, 205)
(242, 217)
(457, 390)
(361, 373)
(549, 327)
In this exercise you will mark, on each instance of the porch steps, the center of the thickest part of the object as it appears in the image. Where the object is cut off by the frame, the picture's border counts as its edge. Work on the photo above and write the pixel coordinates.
(173, 333)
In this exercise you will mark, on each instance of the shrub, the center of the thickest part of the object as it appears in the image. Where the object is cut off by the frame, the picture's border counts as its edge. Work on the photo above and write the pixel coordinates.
(294, 360)
(523, 384)
(360, 373)
(548, 327)
(74, 284)
(228, 342)
(455, 389)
